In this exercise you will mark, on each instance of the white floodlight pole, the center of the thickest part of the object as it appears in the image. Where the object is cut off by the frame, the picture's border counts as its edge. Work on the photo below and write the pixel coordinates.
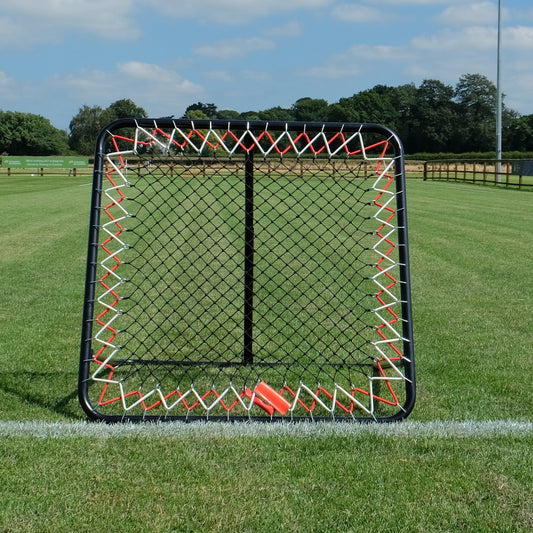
(499, 100)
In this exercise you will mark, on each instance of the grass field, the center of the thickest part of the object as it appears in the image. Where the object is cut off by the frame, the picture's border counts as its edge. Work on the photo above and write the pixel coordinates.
(473, 318)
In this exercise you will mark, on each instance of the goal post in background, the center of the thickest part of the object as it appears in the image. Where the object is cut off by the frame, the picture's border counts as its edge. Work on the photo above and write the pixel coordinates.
(247, 270)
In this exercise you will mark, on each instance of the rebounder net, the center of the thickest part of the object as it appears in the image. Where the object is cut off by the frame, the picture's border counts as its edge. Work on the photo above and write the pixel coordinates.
(247, 270)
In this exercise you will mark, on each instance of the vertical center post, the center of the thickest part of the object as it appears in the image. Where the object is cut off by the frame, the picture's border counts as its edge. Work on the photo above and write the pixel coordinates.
(248, 355)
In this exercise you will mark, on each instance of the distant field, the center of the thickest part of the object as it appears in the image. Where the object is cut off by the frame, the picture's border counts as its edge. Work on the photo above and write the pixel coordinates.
(471, 258)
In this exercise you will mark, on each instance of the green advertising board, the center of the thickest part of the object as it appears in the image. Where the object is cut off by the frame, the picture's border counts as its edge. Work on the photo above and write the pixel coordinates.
(45, 162)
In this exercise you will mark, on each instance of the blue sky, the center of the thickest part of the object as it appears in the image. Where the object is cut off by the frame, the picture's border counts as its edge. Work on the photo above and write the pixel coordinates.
(58, 55)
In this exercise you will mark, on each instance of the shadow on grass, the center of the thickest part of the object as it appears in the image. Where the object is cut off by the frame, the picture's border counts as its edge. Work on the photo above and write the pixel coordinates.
(38, 391)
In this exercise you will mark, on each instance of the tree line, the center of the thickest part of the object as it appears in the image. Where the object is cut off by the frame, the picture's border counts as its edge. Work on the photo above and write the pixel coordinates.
(431, 118)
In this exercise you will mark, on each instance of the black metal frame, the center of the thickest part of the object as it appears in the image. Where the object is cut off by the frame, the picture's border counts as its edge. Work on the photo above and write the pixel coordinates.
(249, 151)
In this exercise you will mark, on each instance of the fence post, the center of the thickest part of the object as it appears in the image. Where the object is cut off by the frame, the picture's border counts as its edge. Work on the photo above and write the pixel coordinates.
(425, 170)
(508, 172)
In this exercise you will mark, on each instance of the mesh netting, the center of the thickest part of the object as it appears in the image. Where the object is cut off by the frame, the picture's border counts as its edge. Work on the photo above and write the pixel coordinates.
(247, 270)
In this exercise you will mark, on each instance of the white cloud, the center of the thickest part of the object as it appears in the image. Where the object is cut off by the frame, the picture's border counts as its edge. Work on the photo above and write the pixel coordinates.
(337, 70)
(477, 14)
(8, 87)
(357, 60)
(15, 34)
(357, 13)
(290, 29)
(445, 55)
(474, 40)
(226, 76)
(220, 75)
(522, 83)
(230, 48)
(449, 54)
(519, 38)
(233, 12)
(161, 91)
(29, 22)
(422, 2)
(152, 74)
(459, 41)
(256, 75)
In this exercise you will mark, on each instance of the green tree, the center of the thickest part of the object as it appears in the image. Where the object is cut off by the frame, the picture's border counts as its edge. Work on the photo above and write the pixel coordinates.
(433, 120)
(29, 134)
(196, 114)
(277, 113)
(403, 99)
(209, 110)
(310, 109)
(517, 132)
(84, 129)
(228, 114)
(476, 99)
(249, 115)
(89, 122)
(365, 106)
(337, 112)
(124, 108)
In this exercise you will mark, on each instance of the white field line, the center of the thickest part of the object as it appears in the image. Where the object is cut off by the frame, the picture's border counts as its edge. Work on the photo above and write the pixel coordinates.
(407, 429)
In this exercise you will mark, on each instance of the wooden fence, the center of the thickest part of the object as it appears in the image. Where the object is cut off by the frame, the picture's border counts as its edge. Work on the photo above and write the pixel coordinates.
(504, 173)
(507, 174)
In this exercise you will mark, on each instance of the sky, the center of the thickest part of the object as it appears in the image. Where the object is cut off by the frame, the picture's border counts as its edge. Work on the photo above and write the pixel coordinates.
(59, 55)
